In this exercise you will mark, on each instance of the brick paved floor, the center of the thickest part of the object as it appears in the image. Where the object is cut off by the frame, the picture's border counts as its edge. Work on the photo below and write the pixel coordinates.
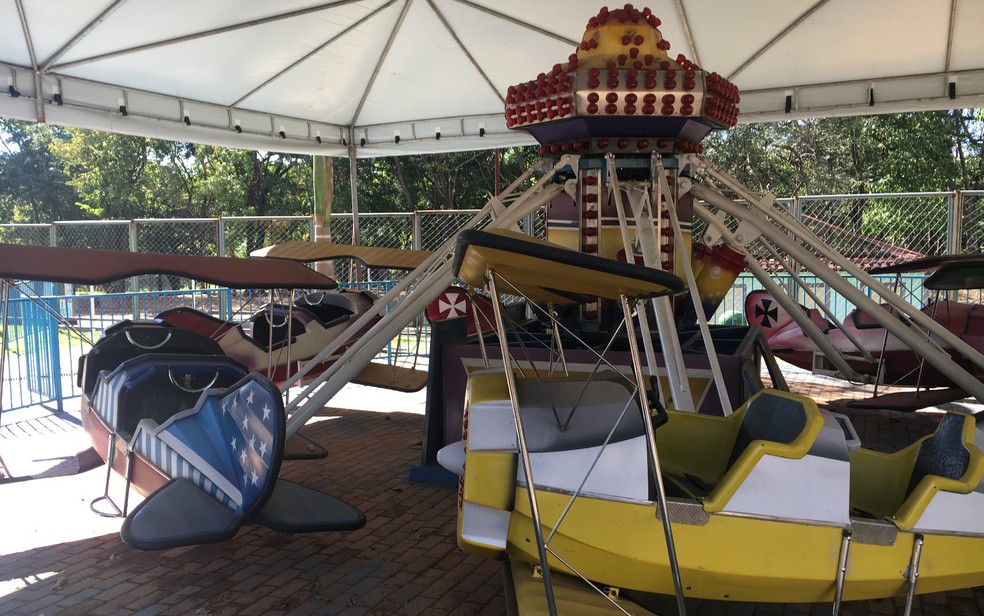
(56, 557)
(404, 561)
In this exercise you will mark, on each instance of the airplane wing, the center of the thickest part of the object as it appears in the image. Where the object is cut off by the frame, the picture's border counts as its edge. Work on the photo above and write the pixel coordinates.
(224, 458)
(547, 272)
(87, 266)
(392, 377)
(294, 508)
(180, 513)
(958, 275)
(370, 256)
(909, 401)
(924, 264)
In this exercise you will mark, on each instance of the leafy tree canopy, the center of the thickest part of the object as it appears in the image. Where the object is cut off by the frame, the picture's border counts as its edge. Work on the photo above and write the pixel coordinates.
(50, 173)
(909, 152)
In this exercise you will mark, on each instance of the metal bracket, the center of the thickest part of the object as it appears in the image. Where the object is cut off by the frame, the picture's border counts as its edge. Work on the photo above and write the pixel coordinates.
(115, 510)
(912, 575)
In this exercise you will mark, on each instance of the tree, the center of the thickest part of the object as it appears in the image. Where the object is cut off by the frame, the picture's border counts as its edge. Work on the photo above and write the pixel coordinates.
(33, 186)
(276, 184)
(449, 181)
(909, 152)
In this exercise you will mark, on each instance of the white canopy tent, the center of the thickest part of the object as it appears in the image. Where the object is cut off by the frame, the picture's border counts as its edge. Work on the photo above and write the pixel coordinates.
(368, 78)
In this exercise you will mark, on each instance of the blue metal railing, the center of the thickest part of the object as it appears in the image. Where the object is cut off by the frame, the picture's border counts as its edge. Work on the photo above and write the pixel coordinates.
(43, 350)
(732, 307)
(42, 354)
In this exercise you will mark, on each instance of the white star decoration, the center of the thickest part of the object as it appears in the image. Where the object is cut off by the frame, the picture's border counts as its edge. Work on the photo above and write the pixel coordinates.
(250, 414)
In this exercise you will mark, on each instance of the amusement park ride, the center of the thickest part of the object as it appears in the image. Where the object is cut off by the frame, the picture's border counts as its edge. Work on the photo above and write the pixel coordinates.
(608, 475)
(874, 355)
(619, 445)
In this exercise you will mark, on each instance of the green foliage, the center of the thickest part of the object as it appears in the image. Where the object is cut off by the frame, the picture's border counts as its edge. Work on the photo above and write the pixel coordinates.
(450, 181)
(33, 186)
(50, 173)
(909, 152)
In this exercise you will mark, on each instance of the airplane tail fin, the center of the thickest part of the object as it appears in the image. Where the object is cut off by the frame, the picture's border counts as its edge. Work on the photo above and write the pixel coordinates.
(763, 310)
(455, 303)
(452, 304)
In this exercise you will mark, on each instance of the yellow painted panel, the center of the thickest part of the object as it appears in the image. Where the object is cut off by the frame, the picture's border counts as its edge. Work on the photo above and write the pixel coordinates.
(490, 478)
(730, 557)
(699, 445)
(572, 596)
(736, 558)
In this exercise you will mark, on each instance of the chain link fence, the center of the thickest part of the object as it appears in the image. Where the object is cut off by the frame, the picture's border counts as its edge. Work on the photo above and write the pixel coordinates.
(100, 235)
(434, 227)
(972, 221)
(239, 236)
(30, 235)
(879, 230)
(871, 230)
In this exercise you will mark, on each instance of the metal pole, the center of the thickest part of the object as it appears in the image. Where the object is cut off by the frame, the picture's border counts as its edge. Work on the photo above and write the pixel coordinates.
(651, 438)
(354, 184)
(5, 305)
(134, 280)
(415, 239)
(680, 392)
(663, 188)
(498, 164)
(797, 214)
(225, 299)
(954, 226)
(841, 572)
(524, 452)
(912, 576)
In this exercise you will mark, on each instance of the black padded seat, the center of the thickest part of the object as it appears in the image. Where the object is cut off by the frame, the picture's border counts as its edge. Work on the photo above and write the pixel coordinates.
(175, 317)
(862, 320)
(137, 339)
(329, 308)
(769, 418)
(165, 384)
(129, 323)
(943, 454)
(262, 327)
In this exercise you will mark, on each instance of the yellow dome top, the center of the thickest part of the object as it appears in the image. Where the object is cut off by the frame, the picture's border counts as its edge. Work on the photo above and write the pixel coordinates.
(628, 37)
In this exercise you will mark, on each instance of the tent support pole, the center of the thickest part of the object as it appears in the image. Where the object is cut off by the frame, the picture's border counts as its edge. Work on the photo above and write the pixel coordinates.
(354, 182)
